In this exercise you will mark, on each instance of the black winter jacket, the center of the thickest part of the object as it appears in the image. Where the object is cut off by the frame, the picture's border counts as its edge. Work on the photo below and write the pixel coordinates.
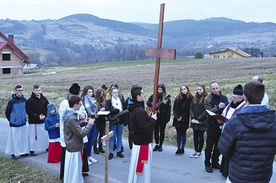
(249, 140)
(36, 106)
(164, 110)
(198, 112)
(211, 103)
(141, 124)
(181, 108)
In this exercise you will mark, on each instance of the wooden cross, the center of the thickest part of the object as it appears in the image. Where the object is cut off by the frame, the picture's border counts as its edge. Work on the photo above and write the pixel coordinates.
(106, 139)
(159, 53)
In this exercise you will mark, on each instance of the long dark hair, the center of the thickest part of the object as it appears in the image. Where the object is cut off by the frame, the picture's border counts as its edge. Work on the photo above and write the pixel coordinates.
(161, 85)
(100, 99)
(189, 94)
(85, 90)
(201, 97)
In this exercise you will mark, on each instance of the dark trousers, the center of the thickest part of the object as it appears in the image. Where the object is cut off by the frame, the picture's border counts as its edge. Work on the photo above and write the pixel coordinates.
(61, 173)
(224, 169)
(211, 151)
(159, 131)
(198, 140)
(100, 132)
(130, 140)
(180, 138)
(85, 167)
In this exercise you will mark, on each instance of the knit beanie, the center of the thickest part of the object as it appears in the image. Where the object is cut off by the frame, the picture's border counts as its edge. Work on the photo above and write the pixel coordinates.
(75, 89)
(238, 90)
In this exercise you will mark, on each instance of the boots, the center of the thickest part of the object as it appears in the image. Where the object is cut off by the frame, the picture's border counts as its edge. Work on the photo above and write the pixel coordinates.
(96, 151)
(101, 149)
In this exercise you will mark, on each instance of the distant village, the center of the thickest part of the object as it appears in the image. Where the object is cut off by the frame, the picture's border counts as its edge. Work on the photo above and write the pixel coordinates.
(13, 60)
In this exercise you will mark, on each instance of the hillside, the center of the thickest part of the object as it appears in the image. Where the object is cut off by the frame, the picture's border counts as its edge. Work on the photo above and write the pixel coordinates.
(84, 38)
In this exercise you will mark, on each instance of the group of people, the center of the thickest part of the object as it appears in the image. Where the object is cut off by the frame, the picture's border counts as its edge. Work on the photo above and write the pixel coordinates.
(24, 138)
(245, 138)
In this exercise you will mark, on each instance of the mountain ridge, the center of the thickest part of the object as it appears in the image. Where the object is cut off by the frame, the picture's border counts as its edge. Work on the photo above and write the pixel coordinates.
(88, 38)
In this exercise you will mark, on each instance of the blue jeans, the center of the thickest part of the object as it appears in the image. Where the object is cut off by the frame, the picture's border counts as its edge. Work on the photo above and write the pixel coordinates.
(180, 138)
(118, 133)
(91, 136)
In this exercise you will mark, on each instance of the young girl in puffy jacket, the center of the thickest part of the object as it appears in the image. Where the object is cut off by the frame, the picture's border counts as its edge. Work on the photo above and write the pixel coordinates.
(52, 126)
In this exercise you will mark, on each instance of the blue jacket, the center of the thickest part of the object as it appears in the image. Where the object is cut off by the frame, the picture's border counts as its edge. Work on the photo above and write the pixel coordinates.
(16, 112)
(250, 141)
(50, 123)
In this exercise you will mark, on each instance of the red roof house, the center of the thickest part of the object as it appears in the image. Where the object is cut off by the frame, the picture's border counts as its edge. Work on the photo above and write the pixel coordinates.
(11, 57)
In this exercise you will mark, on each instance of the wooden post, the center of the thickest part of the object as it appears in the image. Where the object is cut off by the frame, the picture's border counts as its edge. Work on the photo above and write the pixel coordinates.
(159, 53)
(106, 139)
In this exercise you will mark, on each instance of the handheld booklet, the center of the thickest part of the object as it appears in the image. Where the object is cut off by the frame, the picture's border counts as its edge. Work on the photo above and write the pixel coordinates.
(217, 116)
(103, 113)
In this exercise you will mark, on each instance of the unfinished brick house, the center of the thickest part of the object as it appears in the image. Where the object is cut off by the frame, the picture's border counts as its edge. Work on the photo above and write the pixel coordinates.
(11, 57)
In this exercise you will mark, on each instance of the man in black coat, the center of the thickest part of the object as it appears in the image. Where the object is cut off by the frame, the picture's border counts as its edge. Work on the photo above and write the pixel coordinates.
(214, 102)
(36, 108)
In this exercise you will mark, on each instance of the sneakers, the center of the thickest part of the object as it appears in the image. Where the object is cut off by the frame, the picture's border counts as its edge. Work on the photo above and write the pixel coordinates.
(89, 163)
(120, 155)
(92, 160)
(156, 148)
(196, 155)
(209, 169)
(110, 156)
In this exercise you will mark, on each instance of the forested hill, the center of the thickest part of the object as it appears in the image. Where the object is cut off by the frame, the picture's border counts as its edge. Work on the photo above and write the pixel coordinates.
(85, 38)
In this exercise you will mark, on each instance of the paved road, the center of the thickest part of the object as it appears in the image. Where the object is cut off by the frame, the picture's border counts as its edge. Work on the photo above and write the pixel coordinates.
(166, 166)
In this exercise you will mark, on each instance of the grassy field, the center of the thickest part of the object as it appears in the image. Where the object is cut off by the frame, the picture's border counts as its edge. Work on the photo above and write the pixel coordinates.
(228, 72)
(14, 172)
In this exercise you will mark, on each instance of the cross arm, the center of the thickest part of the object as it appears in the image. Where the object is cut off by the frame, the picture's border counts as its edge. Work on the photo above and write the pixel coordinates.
(161, 53)
(106, 137)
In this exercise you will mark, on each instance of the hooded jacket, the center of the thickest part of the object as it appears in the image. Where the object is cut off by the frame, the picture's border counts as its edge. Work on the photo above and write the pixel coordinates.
(250, 141)
(15, 111)
(50, 122)
(141, 124)
(73, 132)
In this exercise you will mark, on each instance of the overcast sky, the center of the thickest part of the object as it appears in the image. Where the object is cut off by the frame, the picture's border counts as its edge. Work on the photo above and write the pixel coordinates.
(141, 10)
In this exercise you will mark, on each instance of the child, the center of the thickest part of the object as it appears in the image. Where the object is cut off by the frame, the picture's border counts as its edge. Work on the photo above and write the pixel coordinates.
(52, 126)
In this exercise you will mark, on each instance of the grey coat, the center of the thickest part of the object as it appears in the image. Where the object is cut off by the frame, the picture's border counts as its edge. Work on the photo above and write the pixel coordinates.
(73, 132)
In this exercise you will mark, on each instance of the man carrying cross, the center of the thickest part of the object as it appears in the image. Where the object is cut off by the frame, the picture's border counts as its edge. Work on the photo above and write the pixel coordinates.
(141, 130)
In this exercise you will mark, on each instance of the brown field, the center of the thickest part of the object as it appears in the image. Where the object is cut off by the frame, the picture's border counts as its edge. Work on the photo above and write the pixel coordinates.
(228, 72)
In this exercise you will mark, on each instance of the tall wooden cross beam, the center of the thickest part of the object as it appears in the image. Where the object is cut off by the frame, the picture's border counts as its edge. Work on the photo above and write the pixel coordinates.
(159, 53)
(106, 139)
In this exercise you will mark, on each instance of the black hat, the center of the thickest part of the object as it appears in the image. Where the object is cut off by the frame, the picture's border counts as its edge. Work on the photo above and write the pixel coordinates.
(74, 89)
(238, 90)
